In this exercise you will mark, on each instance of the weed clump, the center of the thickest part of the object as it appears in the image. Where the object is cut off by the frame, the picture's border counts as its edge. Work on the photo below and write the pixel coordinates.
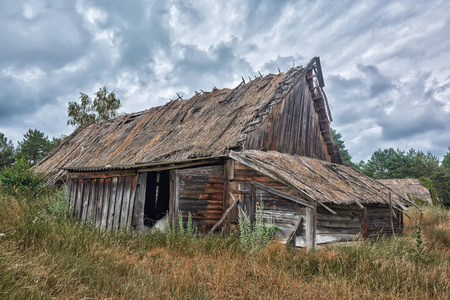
(257, 236)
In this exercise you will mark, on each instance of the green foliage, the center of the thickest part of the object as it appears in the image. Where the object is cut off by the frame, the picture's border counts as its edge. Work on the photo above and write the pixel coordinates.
(19, 178)
(255, 238)
(337, 138)
(446, 160)
(390, 163)
(176, 232)
(420, 250)
(102, 108)
(6, 151)
(34, 146)
(428, 183)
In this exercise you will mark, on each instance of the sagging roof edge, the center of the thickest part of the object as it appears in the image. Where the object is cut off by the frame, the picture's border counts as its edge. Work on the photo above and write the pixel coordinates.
(210, 159)
(304, 193)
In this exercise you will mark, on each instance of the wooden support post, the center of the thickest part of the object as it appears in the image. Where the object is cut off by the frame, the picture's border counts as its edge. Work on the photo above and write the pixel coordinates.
(134, 184)
(174, 194)
(365, 231)
(292, 237)
(310, 227)
(139, 202)
(391, 213)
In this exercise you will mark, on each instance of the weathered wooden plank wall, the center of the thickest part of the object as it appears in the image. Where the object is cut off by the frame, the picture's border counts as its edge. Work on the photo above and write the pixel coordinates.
(201, 193)
(378, 221)
(284, 213)
(291, 127)
(349, 222)
(104, 202)
(344, 226)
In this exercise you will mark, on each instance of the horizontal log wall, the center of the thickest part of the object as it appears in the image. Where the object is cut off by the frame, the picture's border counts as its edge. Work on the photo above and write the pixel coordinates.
(292, 126)
(378, 221)
(345, 225)
(348, 223)
(201, 193)
(284, 213)
(105, 202)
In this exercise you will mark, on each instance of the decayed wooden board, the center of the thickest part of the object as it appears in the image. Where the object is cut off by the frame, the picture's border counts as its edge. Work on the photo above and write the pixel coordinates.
(105, 206)
(139, 202)
(310, 228)
(73, 195)
(99, 204)
(125, 202)
(85, 199)
(119, 199)
(132, 201)
(79, 203)
(93, 201)
(112, 203)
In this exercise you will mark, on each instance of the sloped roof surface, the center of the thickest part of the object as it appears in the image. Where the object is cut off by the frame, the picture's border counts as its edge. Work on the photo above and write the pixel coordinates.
(409, 188)
(319, 180)
(205, 125)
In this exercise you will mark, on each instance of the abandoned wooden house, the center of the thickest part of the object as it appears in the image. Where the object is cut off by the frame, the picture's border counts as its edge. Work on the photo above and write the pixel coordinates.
(267, 139)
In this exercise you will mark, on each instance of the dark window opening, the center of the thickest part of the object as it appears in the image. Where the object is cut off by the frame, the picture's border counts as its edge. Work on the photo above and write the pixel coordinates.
(156, 197)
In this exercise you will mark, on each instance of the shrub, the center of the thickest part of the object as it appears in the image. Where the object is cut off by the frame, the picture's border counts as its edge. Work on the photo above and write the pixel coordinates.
(19, 178)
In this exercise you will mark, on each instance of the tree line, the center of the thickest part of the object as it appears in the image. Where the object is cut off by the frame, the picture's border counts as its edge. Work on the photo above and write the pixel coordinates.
(396, 163)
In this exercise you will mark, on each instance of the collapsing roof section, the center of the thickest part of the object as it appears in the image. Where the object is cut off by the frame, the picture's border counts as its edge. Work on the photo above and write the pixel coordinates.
(318, 180)
(206, 125)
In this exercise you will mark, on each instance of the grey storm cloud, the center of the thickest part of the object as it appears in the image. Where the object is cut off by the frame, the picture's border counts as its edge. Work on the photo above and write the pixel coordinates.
(386, 63)
(48, 37)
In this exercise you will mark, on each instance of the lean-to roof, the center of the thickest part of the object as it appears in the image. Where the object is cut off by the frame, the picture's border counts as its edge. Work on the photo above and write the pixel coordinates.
(319, 180)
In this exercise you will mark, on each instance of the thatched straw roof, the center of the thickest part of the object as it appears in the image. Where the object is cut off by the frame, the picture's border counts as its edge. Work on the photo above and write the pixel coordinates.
(206, 125)
(409, 188)
(319, 180)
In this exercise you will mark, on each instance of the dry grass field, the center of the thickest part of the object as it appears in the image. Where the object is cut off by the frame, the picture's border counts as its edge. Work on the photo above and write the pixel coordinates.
(46, 254)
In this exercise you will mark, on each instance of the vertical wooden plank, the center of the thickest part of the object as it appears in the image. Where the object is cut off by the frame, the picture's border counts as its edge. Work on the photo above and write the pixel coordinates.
(138, 212)
(85, 200)
(112, 203)
(365, 232)
(68, 192)
(73, 195)
(92, 201)
(118, 207)
(99, 204)
(310, 228)
(132, 201)
(125, 202)
(391, 211)
(106, 196)
(174, 198)
(79, 204)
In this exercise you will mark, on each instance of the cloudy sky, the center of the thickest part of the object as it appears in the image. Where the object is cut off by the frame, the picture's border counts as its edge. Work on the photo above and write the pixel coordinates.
(386, 63)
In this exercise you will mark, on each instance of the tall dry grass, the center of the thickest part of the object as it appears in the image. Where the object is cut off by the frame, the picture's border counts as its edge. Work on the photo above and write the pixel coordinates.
(46, 254)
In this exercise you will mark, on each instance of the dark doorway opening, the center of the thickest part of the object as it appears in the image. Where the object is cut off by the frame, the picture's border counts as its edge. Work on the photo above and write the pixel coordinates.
(156, 197)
